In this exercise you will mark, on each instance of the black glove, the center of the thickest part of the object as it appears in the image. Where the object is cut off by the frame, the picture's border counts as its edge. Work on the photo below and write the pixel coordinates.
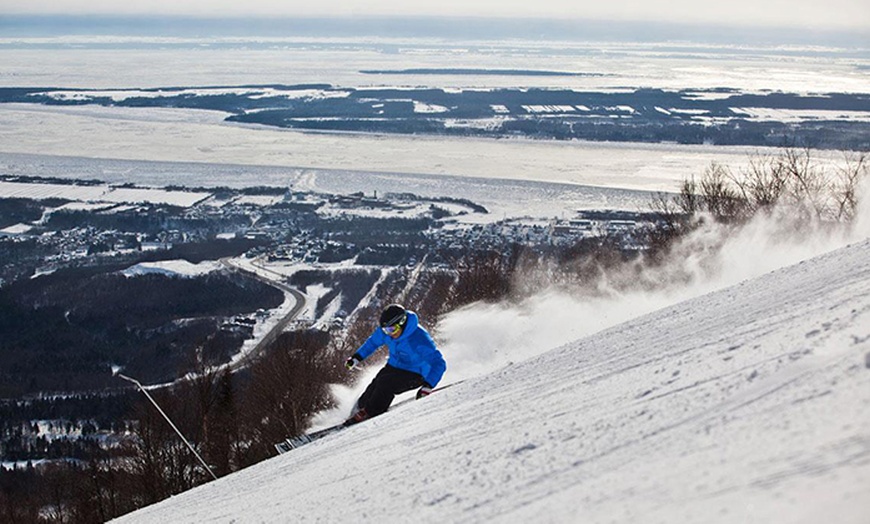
(424, 391)
(352, 362)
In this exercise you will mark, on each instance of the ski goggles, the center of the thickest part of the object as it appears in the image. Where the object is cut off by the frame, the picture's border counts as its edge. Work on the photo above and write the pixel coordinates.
(392, 330)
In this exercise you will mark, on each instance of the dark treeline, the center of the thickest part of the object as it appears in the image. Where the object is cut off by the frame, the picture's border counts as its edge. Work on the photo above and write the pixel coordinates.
(62, 332)
(232, 418)
(104, 408)
(17, 210)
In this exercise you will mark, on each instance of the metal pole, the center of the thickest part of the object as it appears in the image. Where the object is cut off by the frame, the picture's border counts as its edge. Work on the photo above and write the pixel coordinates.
(141, 388)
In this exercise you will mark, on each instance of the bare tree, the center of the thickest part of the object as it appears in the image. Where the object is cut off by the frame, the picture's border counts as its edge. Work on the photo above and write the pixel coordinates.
(720, 198)
(855, 167)
(809, 186)
(483, 276)
(287, 385)
(793, 181)
(688, 200)
(763, 183)
(162, 463)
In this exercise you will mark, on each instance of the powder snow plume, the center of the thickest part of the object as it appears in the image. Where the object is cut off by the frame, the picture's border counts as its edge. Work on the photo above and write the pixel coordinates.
(481, 338)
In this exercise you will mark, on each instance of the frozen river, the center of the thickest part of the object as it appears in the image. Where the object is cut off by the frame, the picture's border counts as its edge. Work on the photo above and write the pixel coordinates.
(196, 148)
(510, 176)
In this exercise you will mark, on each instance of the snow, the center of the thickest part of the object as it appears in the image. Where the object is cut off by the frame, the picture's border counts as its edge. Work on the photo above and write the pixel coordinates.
(98, 193)
(689, 111)
(303, 93)
(120, 95)
(16, 229)
(155, 196)
(421, 107)
(548, 108)
(125, 134)
(46, 191)
(396, 211)
(22, 464)
(764, 114)
(313, 293)
(86, 206)
(115, 95)
(329, 313)
(744, 404)
(258, 200)
(709, 95)
(180, 268)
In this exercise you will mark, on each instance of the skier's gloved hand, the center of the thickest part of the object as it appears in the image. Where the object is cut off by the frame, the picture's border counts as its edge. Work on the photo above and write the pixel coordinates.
(424, 391)
(352, 362)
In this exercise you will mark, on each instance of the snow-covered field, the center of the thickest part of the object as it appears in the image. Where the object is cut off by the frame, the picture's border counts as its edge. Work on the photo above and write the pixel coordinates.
(101, 193)
(761, 114)
(178, 268)
(749, 404)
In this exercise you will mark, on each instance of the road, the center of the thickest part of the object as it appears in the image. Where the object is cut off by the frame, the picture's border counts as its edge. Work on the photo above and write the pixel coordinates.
(278, 283)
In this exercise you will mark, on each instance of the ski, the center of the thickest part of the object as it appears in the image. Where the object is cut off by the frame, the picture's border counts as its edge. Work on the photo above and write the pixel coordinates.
(300, 440)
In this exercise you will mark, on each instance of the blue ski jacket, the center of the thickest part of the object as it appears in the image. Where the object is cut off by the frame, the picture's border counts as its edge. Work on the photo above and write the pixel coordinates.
(414, 350)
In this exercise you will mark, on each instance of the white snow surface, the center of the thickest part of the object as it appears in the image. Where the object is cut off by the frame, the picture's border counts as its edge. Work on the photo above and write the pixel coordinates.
(100, 193)
(748, 404)
(178, 268)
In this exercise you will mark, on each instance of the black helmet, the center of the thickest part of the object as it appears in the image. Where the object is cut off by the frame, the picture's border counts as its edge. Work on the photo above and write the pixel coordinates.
(393, 315)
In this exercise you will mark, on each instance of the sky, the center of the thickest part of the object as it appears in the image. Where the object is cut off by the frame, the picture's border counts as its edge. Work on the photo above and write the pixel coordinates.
(830, 14)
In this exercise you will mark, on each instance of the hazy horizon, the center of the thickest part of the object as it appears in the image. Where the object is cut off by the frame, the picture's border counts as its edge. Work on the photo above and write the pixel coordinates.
(448, 27)
(803, 14)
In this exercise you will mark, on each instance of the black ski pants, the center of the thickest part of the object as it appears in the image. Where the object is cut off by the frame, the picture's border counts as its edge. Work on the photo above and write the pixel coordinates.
(389, 382)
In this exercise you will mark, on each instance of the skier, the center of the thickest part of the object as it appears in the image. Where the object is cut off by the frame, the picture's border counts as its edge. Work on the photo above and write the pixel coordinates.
(414, 362)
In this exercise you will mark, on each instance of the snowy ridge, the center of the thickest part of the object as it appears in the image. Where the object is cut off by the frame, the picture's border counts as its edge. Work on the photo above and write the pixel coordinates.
(749, 404)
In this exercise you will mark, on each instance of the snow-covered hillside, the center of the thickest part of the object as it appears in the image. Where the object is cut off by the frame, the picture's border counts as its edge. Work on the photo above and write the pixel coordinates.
(750, 404)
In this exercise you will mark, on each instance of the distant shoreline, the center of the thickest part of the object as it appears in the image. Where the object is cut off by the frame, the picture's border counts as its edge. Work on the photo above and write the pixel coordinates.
(718, 116)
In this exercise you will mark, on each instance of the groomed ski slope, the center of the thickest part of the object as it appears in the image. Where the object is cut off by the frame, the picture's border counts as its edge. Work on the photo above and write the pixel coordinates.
(751, 404)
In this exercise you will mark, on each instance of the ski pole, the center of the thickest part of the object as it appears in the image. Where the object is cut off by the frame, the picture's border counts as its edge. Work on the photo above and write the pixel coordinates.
(189, 446)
